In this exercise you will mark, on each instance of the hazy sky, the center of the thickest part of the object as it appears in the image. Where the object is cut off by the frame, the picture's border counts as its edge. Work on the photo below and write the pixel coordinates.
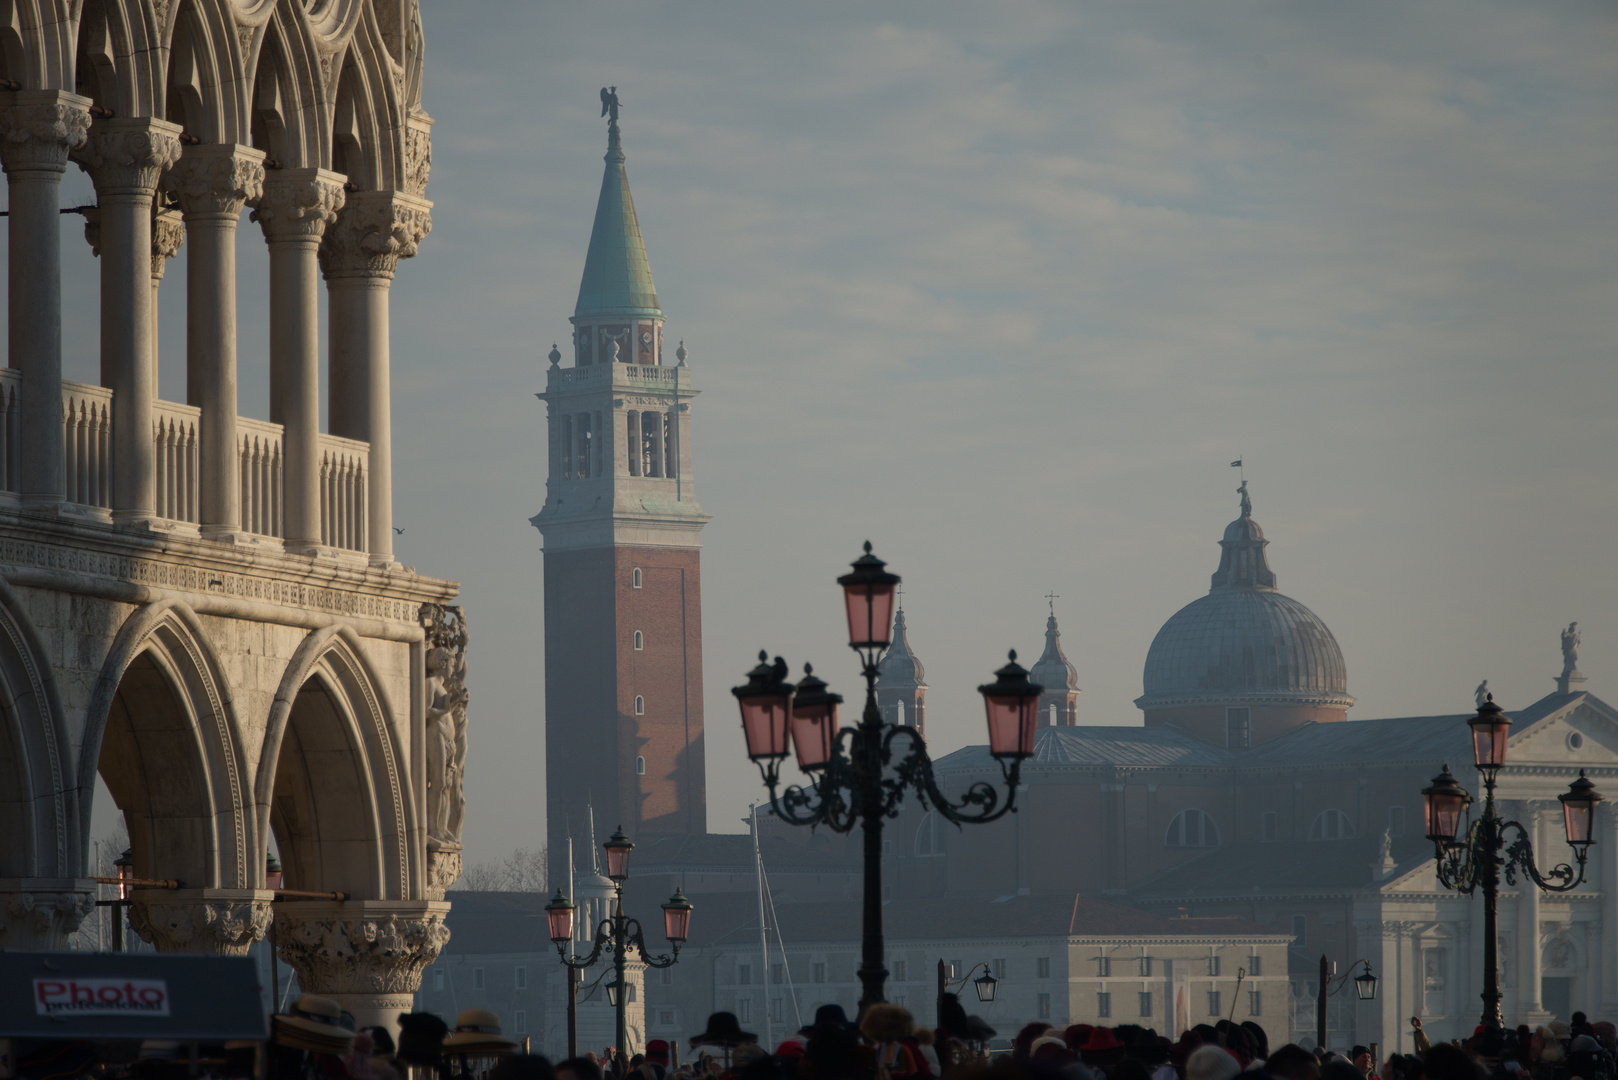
(1004, 287)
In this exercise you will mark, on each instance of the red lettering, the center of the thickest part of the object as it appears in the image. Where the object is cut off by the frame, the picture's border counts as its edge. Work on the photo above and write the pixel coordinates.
(109, 993)
(151, 995)
(48, 990)
(80, 993)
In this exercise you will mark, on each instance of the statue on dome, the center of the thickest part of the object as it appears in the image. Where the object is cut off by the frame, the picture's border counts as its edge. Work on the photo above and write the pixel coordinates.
(609, 103)
(1247, 503)
(1570, 648)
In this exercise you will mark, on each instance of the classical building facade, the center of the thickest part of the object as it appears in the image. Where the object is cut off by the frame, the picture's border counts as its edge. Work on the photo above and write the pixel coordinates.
(623, 588)
(202, 608)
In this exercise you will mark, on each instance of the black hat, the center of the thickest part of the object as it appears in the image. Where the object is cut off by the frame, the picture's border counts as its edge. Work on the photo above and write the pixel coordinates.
(826, 1017)
(421, 1039)
(523, 1067)
(723, 1030)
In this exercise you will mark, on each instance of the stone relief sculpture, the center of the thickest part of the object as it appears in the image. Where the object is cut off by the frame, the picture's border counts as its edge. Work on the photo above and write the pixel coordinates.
(446, 699)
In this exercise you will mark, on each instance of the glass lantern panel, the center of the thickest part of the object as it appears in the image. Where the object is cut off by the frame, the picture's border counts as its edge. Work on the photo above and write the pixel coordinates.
(764, 723)
(870, 614)
(812, 738)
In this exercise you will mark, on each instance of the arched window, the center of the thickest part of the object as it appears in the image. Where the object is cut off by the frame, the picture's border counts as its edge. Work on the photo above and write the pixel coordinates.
(899, 714)
(1331, 825)
(929, 837)
(640, 766)
(634, 577)
(640, 705)
(1055, 718)
(639, 641)
(1192, 828)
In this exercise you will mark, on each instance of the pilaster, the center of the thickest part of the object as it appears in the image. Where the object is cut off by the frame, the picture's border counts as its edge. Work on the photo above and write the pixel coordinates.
(368, 955)
(40, 913)
(223, 922)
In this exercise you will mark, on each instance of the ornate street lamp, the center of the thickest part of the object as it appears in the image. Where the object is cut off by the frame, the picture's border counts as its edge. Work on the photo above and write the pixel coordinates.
(985, 985)
(618, 933)
(857, 775)
(1479, 855)
(1364, 989)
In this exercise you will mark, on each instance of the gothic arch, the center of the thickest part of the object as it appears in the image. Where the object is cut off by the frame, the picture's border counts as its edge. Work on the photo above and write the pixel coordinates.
(332, 783)
(162, 721)
(37, 42)
(206, 87)
(39, 808)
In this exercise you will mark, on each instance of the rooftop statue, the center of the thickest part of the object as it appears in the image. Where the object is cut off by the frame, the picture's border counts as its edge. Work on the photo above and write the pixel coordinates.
(1570, 648)
(1247, 503)
(609, 104)
(1481, 695)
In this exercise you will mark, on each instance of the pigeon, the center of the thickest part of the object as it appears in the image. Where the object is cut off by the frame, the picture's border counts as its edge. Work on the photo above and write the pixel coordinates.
(398, 530)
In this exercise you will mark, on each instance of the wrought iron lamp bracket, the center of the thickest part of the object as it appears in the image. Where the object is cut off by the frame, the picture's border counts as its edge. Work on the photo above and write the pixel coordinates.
(603, 941)
(915, 770)
(1519, 855)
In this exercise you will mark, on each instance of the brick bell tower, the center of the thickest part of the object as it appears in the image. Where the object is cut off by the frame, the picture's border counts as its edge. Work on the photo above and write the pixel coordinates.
(623, 596)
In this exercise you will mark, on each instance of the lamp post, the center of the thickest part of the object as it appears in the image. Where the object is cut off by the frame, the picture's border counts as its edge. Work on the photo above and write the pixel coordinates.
(1364, 989)
(1479, 855)
(618, 933)
(850, 782)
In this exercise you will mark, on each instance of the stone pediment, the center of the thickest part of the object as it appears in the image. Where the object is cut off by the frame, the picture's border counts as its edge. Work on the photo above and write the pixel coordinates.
(1581, 731)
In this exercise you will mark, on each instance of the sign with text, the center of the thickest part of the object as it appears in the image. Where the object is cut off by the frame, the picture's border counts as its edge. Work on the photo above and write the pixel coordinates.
(101, 996)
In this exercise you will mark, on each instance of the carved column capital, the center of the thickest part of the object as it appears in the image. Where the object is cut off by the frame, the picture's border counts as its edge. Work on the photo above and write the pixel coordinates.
(224, 922)
(40, 913)
(373, 232)
(298, 204)
(216, 180)
(39, 127)
(367, 947)
(128, 157)
(168, 234)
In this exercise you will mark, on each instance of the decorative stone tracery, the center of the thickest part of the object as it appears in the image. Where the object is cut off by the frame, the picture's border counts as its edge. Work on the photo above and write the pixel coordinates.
(218, 921)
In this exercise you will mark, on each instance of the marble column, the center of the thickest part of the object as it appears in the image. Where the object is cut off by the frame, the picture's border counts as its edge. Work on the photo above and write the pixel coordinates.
(221, 922)
(41, 913)
(297, 206)
(168, 235)
(368, 955)
(1607, 954)
(212, 183)
(125, 159)
(1529, 1006)
(359, 254)
(37, 129)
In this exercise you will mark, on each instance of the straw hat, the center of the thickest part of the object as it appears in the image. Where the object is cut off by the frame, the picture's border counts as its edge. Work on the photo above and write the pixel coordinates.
(477, 1033)
(315, 1023)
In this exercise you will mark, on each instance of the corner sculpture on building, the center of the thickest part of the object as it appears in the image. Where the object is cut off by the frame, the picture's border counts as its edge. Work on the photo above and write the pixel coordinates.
(200, 607)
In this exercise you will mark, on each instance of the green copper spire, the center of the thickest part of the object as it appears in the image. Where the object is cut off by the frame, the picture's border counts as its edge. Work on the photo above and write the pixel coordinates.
(617, 277)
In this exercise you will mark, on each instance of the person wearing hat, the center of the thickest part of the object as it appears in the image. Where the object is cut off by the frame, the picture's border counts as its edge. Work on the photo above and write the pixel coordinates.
(314, 1024)
(1102, 1050)
(477, 1034)
(656, 1065)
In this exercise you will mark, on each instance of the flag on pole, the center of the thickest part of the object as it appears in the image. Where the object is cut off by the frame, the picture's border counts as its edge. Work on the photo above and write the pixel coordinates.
(1236, 464)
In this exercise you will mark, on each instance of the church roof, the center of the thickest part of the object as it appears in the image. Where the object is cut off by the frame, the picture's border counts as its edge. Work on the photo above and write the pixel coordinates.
(1052, 670)
(900, 665)
(1244, 641)
(617, 277)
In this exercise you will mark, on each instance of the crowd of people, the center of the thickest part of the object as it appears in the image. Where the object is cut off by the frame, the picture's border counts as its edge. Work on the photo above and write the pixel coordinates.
(313, 1042)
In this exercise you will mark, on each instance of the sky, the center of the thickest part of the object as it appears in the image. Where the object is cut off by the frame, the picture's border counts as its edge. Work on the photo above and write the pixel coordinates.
(1004, 288)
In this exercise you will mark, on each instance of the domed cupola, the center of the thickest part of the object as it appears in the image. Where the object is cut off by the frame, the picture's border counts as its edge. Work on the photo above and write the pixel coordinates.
(1058, 704)
(901, 682)
(1244, 663)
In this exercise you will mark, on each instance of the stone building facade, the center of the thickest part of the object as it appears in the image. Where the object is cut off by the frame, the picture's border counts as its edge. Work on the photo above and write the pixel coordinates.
(621, 522)
(202, 608)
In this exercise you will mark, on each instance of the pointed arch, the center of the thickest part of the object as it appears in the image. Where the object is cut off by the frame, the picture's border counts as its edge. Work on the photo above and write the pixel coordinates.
(206, 85)
(333, 785)
(162, 717)
(39, 807)
(289, 51)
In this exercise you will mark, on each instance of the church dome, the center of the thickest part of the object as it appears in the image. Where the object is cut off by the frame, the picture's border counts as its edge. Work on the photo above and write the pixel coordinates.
(1244, 642)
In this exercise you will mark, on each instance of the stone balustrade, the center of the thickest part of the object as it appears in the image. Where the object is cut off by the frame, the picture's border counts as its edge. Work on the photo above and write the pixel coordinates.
(87, 443)
(175, 438)
(262, 468)
(344, 468)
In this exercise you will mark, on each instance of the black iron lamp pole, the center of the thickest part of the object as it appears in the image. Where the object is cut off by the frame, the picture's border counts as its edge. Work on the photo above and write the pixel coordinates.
(1479, 855)
(618, 933)
(1364, 989)
(857, 776)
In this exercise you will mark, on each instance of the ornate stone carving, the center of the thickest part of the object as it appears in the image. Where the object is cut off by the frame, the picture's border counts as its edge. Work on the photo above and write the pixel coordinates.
(222, 926)
(364, 953)
(129, 157)
(299, 203)
(216, 180)
(37, 133)
(418, 153)
(41, 919)
(443, 870)
(168, 233)
(372, 233)
(446, 641)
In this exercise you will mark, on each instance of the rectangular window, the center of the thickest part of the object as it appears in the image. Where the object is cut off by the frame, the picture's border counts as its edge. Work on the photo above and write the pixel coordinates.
(999, 969)
(632, 429)
(1213, 1004)
(1044, 1006)
(1042, 968)
(744, 974)
(1146, 1003)
(820, 973)
(1267, 826)
(1396, 821)
(519, 978)
(671, 452)
(668, 976)
(776, 1009)
(1238, 728)
(1255, 965)
(665, 1017)
(438, 980)
(1145, 970)
(898, 971)
(477, 978)
(744, 1009)
(1103, 966)
(1300, 928)
(1103, 1005)
(1213, 967)
(519, 1021)
(1434, 981)
(631, 997)
(1255, 1003)
(778, 973)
